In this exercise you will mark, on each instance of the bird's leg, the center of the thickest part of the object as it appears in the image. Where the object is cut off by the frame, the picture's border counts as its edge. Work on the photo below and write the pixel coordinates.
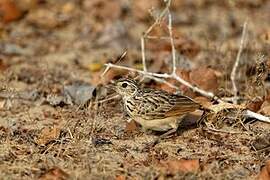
(165, 135)
(156, 141)
(202, 118)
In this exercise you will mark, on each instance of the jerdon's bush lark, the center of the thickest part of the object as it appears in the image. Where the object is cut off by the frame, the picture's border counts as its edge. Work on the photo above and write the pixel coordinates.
(154, 109)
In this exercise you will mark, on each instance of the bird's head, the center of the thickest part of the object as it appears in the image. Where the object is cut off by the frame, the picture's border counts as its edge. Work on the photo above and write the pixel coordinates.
(126, 87)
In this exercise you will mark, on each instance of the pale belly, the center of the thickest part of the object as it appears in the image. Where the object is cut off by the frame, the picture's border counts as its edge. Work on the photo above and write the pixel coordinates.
(160, 124)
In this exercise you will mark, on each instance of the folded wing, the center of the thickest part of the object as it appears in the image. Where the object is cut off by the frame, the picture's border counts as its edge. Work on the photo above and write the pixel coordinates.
(160, 104)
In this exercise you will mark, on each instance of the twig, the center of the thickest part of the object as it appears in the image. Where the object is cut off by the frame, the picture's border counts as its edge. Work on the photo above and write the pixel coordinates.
(230, 99)
(117, 60)
(143, 54)
(105, 71)
(161, 15)
(107, 99)
(263, 149)
(146, 33)
(157, 37)
(236, 64)
(250, 114)
(163, 81)
(172, 43)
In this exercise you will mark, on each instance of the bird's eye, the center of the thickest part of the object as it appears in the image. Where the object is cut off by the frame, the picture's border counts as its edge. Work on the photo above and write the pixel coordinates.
(124, 85)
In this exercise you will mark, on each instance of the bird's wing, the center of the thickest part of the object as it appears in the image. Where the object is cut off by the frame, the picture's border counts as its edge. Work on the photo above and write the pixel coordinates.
(159, 104)
(181, 105)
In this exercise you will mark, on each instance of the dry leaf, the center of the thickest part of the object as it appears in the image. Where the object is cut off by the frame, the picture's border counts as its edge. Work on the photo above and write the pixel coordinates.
(182, 165)
(54, 174)
(48, 134)
(205, 78)
(131, 127)
(255, 105)
(265, 172)
(166, 87)
(9, 11)
(120, 177)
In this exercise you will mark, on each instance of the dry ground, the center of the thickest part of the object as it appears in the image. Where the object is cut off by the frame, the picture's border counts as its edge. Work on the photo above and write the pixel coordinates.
(55, 44)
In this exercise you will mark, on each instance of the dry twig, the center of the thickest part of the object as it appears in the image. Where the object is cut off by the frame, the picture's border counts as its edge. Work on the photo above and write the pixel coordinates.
(251, 114)
(146, 33)
(172, 43)
(236, 64)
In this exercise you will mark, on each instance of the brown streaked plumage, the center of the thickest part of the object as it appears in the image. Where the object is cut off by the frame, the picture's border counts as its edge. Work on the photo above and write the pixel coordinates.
(154, 109)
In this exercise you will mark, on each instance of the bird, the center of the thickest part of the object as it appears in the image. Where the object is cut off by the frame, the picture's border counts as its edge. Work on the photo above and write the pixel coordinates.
(154, 109)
